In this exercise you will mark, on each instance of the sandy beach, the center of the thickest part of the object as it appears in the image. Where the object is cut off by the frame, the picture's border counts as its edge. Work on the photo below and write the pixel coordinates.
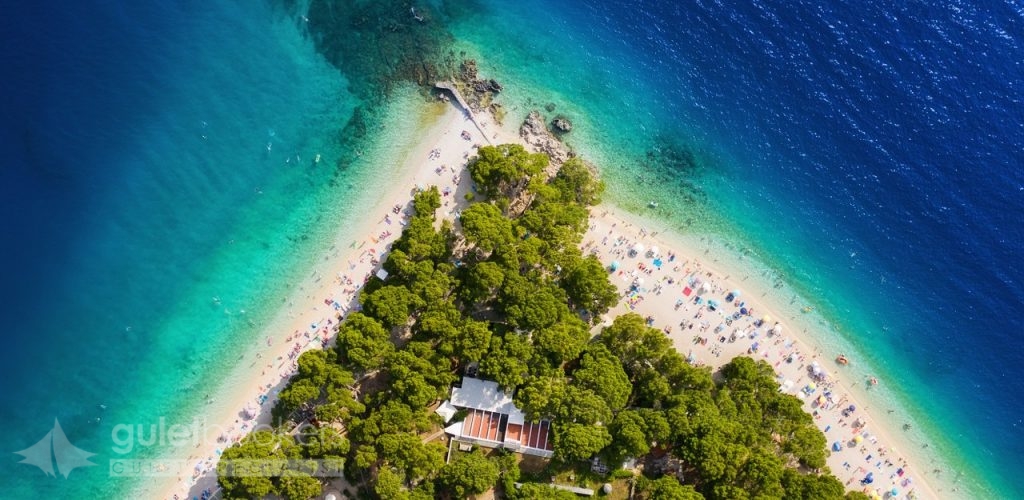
(308, 317)
(868, 442)
(683, 291)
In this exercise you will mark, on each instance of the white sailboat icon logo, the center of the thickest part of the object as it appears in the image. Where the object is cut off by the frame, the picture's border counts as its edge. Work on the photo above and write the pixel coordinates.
(68, 456)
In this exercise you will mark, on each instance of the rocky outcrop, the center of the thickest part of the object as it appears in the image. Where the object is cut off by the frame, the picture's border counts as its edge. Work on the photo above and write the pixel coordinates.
(478, 93)
(561, 124)
(535, 133)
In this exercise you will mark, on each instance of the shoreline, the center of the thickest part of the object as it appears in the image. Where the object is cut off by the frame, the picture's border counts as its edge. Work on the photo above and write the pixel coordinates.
(323, 295)
(658, 299)
(307, 317)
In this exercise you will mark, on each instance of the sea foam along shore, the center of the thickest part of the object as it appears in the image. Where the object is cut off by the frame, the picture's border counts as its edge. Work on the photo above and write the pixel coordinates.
(309, 317)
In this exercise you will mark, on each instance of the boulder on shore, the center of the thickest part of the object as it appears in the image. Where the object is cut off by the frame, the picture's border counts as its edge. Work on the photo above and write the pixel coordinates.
(535, 133)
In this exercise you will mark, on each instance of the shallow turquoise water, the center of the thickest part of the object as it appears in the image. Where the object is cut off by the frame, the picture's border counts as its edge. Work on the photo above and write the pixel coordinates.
(774, 138)
(195, 180)
(142, 186)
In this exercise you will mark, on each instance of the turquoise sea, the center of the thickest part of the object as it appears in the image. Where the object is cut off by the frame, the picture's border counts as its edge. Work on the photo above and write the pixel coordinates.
(159, 156)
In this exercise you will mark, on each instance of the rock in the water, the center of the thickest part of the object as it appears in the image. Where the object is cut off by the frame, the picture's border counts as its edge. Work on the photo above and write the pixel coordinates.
(535, 133)
(550, 107)
(562, 124)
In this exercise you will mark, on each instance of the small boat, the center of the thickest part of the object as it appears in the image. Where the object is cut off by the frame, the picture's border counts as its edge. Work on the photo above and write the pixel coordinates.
(652, 204)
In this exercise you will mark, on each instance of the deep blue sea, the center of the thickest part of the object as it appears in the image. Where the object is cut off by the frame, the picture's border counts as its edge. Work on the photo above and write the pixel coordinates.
(157, 154)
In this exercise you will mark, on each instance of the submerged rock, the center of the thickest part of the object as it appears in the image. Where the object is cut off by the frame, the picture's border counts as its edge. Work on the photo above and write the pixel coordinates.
(562, 124)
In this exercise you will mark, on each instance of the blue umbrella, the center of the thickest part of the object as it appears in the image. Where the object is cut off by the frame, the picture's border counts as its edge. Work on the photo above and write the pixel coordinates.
(836, 446)
(615, 265)
(657, 262)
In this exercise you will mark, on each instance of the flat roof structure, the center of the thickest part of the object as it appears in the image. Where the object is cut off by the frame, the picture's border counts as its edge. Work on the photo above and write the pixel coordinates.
(495, 421)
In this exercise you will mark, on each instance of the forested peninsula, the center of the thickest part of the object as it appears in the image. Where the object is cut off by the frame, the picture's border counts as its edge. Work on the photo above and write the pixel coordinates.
(504, 295)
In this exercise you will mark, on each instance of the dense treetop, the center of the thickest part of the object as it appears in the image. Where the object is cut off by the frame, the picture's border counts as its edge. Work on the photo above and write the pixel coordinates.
(507, 287)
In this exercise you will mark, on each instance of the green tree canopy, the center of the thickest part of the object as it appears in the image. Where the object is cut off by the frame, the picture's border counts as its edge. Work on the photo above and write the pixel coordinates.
(482, 282)
(575, 442)
(390, 304)
(634, 343)
(507, 360)
(601, 372)
(588, 287)
(535, 491)
(426, 202)
(408, 453)
(629, 435)
(503, 169)
(532, 307)
(363, 343)
(575, 183)
(326, 442)
(485, 227)
(667, 488)
(469, 474)
(294, 485)
(390, 484)
(259, 447)
(562, 341)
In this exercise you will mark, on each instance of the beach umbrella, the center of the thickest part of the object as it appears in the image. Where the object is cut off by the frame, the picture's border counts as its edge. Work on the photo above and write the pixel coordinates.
(615, 265)
(654, 251)
(777, 328)
(858, 439)
(766, 318)
(638, 248)
(657, 262)
(894, 492)
(736, 293)
(836, 446)
(812, 386)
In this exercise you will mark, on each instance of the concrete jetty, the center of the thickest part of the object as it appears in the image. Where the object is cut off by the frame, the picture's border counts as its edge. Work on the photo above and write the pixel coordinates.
(450, 87)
